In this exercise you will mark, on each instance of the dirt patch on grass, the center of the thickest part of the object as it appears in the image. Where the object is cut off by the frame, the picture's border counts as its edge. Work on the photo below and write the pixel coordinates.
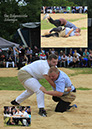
(12, 72)
(8, 72)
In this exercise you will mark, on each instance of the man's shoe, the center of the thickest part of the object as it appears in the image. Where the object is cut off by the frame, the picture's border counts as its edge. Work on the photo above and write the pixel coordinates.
(72, 107)
(14, 102)
(42, 112)
(46, 16)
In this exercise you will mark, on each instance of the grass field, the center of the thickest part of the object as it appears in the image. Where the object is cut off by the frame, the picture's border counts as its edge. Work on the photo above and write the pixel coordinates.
(12, 83)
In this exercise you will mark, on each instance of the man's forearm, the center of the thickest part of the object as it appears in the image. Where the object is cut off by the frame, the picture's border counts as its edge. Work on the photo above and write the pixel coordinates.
(69, 33)
(54, 93)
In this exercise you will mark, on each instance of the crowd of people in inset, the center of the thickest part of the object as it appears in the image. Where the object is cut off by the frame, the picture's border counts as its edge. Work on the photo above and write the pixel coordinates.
(18, 57)
(64, 9)
(17, 114)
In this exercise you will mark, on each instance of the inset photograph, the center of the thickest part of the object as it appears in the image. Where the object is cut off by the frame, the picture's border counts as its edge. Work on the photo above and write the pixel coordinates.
(64, 27)
(17, 115)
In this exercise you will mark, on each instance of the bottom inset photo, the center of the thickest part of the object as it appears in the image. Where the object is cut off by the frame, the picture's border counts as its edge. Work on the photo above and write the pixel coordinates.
(17, 115)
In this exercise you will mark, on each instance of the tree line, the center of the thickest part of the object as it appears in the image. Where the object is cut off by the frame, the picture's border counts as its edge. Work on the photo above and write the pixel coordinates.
(13, 13)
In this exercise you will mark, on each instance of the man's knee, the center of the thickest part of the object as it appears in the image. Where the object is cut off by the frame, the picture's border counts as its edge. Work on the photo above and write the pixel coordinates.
(62, 106)
(56, 99)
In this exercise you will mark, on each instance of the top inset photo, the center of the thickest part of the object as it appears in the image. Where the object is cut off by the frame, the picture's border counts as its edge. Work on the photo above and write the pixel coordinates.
(64, 27)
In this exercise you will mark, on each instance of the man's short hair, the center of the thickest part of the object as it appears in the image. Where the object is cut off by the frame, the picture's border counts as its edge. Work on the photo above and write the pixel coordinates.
(79, 29)
(52, 56)
(53, 69)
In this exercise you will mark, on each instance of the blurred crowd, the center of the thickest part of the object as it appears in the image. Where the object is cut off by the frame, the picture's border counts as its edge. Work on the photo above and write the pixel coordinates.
(64, 9)
(19, 57)
(18, 114)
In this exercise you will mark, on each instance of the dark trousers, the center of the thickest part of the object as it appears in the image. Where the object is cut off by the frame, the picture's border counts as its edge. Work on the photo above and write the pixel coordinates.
(20, 62)
(55, 22)
(62, 106)
(51, 35)
(89, 63)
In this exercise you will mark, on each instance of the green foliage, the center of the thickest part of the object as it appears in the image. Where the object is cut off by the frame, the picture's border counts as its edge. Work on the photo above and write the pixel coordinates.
(79, 2)
(9, 23)
(57, 3)
(7, 27)
(89, 4)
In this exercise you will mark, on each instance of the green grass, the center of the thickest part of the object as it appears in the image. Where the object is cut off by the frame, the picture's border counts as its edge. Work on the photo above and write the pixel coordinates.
(46, 25)
(83, 28)
(81, 88)
(12, 83)
(73, 20)
(78, 71)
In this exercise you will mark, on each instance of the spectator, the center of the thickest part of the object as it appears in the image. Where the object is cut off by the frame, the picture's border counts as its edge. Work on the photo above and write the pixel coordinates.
(10, 52)
(76, 53)
(77, 9)
(81, 9)
(2, 60)
(16, 120)
(42, 50)
(35, 50)
(25, 60)
(59, 58)
(68, 9)
(30, 59)
(80, 51)
(28, 53)
(75, 60)
(69, 60)
(36, 57)
(85, 9)
(21, 52)
(90, 59)
(15, 55)
(63, 62)
(42, 56)
(6, 110)
(0, 50)
(9, 61)
(26, 115)
(73, 9)
(85, 58)
(52, 51)
(71, 52)
(47, 54)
